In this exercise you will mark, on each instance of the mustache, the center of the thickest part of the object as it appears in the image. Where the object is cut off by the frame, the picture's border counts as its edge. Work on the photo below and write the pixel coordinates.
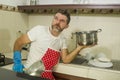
(57, 25)
(57, 28)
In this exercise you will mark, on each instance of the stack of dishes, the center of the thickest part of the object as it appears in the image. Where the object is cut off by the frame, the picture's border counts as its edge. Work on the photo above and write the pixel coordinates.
(101, 62)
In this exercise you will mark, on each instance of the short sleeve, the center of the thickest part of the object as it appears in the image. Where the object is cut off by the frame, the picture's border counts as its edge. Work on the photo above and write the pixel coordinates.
(64, 43)
(32, 34)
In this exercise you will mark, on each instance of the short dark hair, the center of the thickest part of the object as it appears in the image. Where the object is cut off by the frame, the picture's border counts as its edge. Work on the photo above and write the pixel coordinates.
(65, 12)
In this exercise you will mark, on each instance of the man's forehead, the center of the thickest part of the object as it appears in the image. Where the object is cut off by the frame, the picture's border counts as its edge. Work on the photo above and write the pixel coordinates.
(61, 15)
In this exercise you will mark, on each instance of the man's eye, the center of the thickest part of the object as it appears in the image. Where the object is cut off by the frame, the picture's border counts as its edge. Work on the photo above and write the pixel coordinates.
(55, 18)
(63, 21)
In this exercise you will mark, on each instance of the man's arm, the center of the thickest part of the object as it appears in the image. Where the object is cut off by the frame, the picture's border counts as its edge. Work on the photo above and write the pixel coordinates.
(18, 66)
(20, 42)
(68, 57)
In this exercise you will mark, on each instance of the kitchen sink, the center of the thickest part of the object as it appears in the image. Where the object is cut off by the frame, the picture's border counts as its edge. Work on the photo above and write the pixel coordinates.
(83, 62)
(79, 60)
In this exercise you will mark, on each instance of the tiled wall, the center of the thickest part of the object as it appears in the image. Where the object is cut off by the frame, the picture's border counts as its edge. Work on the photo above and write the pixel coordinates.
(10, 24)
(109, 38)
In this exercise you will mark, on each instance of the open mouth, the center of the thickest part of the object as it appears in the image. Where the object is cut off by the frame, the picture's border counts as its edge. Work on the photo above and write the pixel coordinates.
(58, 29)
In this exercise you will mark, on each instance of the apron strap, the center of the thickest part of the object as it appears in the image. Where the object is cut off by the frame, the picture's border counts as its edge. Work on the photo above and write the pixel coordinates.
(48, 70)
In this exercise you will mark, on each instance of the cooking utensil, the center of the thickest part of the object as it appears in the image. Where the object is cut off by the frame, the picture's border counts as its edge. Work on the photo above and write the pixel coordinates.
(35, 69)
(87, 37)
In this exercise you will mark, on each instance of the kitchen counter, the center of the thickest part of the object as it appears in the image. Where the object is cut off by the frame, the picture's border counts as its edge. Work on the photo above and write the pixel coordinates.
(79, 67)
(82, 69)
(6, 74)
(80, 61)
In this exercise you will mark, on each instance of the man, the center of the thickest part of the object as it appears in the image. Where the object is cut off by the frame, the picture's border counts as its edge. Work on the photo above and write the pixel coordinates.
(47, 44)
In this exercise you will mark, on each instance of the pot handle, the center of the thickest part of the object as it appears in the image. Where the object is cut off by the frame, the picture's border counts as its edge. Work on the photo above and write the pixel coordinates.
(99, 30)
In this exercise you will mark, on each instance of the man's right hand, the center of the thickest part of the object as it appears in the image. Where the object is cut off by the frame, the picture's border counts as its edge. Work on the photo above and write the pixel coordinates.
(18, 66)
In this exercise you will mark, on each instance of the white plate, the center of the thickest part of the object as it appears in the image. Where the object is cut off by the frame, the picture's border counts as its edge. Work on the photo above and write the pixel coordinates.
(104, 59)
(97, 63)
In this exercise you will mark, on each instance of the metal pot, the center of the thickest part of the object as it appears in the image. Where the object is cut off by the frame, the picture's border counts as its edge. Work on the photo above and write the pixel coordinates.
(87, 37)
(35, 69)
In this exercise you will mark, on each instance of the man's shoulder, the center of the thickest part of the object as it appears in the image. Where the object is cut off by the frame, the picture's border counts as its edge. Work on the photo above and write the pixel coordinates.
(40, 27)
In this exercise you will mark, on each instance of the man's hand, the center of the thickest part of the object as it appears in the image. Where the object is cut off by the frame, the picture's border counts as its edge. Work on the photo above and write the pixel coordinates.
(18, 66)
(84, 46)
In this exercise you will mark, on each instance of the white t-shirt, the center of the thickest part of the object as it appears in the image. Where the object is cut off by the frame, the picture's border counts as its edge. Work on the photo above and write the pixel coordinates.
(42, 39)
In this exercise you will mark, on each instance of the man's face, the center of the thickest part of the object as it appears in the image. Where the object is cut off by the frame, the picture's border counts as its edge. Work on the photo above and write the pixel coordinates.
(59, 22)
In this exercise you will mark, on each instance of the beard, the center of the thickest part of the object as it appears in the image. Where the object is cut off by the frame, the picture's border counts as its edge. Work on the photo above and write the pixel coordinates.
(57, 28)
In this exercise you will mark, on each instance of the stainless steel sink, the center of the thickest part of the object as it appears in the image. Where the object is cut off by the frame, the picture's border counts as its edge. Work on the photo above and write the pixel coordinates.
(81, 61)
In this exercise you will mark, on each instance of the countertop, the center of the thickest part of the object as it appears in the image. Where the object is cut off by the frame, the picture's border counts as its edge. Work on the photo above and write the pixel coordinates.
(80, 61)
(78, 67)
(77, 62)
(81, 69)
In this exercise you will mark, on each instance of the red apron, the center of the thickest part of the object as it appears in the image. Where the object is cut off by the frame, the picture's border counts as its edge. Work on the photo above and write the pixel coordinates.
(50, 59)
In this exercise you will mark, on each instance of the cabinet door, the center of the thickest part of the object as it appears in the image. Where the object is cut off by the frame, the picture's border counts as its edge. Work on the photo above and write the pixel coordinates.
(72, 70)
(59, 76)
(102, 74)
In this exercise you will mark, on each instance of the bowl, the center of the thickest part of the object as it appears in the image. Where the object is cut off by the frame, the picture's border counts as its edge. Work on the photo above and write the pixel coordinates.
(35, 69)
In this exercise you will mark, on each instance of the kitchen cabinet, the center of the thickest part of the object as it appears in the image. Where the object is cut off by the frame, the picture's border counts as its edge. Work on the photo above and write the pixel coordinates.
(60, 76)
(72, 8)
(75, 70)
(102, 74)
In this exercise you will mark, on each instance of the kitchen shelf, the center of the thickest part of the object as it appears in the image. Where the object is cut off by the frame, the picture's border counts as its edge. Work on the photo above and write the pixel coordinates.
(72, 8)
(8, 7)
